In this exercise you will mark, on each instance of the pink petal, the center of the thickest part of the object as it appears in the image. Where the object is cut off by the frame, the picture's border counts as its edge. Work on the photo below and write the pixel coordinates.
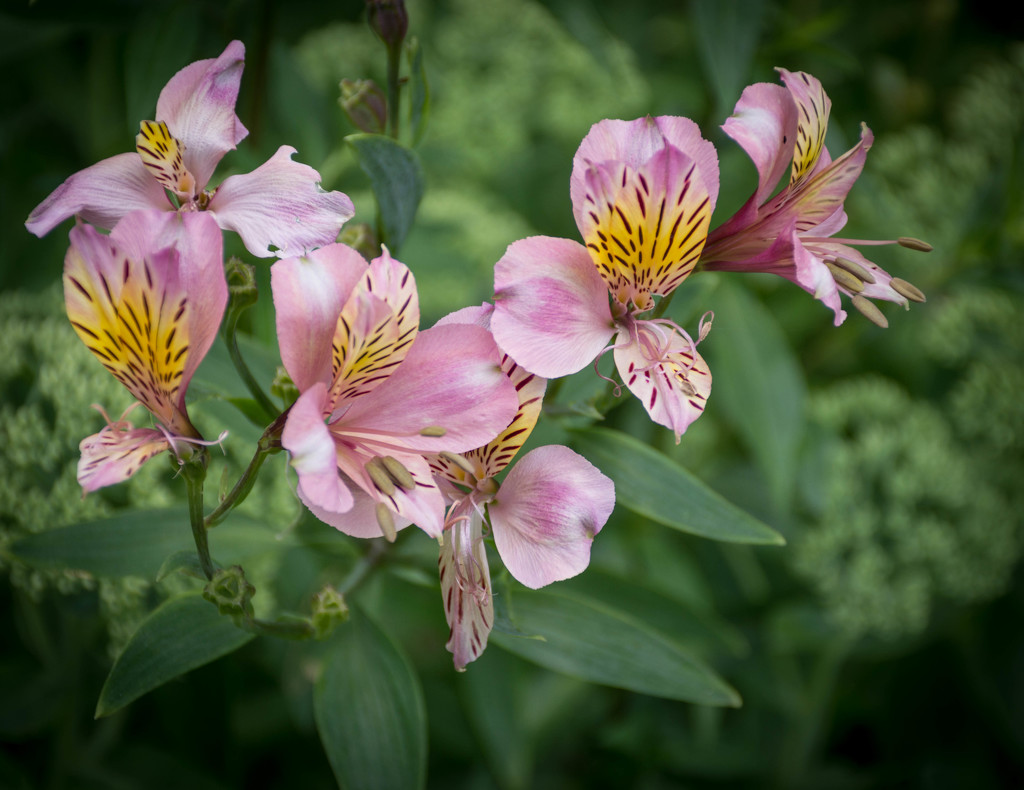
(673, 390)
(197, 276)
(813, 106)
(478, 314)
(198, 106)
(551, 310)
(451, 379)
(309, 293)
(546, 514)
(764, 124)
(813, 276)
(101, 194)
(633, 143)
(116, 453)
(279, 208)
(314, 455)
(466, 589)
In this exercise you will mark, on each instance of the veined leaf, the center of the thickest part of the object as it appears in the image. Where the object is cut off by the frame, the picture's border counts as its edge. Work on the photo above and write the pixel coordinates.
(397, 180)
(655, 486)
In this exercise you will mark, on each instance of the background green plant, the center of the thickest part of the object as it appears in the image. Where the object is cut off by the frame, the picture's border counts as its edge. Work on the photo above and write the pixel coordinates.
(881, 647)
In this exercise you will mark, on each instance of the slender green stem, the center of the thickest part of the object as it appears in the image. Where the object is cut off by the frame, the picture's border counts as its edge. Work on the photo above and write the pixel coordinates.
(377, 551)
(270, 442)
(231, 338)
(300, 628)
(394, 62)
(194, 472)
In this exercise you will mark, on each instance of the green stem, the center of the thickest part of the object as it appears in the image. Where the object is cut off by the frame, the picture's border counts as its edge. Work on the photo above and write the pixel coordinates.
(231, 338)
(269, 442)
(394, 63)
(378, 549)
(297, 629)
(194, 472)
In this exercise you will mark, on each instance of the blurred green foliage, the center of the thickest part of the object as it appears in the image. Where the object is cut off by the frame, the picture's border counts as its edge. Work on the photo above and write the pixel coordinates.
(880, 648)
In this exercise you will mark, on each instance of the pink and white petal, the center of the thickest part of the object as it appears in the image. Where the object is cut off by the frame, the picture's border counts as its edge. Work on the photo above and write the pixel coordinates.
(466, 589)
(101, 194)
(192, 281)
(477, 314)
(551, 312)
(309, 294)
(546, 514)
(634, 143)
(115, 454)
(279, 208)
(813, 106)
(450, 379)
(198, 106)
(422, 505)
(673, 386)
(814, 276)
(764, 124)
(359, 521)
(314, 455)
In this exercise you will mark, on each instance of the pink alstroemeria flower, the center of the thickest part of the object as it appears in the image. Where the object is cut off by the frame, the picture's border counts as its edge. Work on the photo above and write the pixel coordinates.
(543, 517)
(642, 193)
(377, 395)
(790, 233)
(147, 300)
(278, 205)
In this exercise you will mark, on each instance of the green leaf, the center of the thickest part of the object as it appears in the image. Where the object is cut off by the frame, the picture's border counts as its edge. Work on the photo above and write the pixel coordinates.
(369, 711)
(654, 486)
(137, 543)
(397, 180)
(596, 643)
(181, 634)
(759, 385)
(728, 34)
(419, 90)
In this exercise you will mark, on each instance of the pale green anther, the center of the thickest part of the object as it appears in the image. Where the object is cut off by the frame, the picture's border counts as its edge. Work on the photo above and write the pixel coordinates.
(386, 522)
(379, 475)
(460, 461)
(902, 287)
(844, 278)
(433, 430)
(868, 309)
(398, 473)
(914, 244)
(855, 269)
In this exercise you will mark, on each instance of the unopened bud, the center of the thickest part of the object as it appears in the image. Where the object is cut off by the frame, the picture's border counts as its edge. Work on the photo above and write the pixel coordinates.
(389, 20)
(855, 269)
(844, 278)
(283, 387)
(365, 105)
(329, 609)
(230, 591)
(914, 244)
(360, 237)
(904, 288)
(386, 522)
(241, 279)
(868, 309)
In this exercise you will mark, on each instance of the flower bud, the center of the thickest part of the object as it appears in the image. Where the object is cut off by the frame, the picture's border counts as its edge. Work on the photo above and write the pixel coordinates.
(283, 387)
(389, 20)
(329, 609)
(241, 277)
(365, 105)
(230, 591)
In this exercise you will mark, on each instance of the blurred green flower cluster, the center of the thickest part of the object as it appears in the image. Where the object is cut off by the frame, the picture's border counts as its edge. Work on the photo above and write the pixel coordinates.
(921, 498)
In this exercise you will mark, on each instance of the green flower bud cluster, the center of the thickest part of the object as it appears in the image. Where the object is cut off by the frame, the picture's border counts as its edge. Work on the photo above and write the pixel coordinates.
(908, 518)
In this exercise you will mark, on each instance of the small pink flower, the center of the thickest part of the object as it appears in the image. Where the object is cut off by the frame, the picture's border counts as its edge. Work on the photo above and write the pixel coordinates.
(543, 516)
(377, 395)
(278, 209)
(790, 233)
(147, 300)
(642, 193)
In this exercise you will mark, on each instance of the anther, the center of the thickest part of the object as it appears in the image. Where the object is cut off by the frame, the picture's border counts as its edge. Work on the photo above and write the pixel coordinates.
(433, 430)
(855, 269)
(903, 288)
(844, 278)
(398, 473)
(379, 475)
(868, 309)
(386, 522)
(460, 461)
(914, 244)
